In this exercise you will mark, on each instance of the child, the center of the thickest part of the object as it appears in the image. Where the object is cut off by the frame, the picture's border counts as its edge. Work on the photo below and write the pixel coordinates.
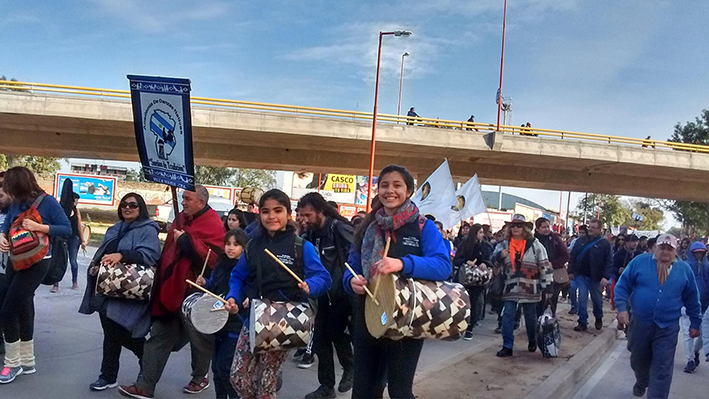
(225, 339)
(255, 375)
(415, 251)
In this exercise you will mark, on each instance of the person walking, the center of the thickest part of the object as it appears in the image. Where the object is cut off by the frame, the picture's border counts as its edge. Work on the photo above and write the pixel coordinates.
(528, 273)
(590, 266)
(573, 288)
(558, 255)
(133, 240)
(257, 275)
(196, 229)
(5, 202)
(655, 287)
(417, 251)
(411, 115)
(474, 252)
(74, 243)
(621, 258)
(699, 264)
(332, 236)
(17, 309)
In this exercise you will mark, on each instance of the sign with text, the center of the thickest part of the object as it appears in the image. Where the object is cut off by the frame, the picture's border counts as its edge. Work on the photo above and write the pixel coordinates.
(163, 129)
(333, 187)
(92, 190)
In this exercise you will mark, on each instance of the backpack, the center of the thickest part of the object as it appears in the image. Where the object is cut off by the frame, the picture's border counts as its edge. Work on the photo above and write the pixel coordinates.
(58, 264)
(27, 247)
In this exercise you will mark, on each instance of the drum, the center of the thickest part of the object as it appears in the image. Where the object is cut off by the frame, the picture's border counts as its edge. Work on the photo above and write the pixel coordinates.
(276, 325)
(197, 312)
(251, 195)
(417, 309)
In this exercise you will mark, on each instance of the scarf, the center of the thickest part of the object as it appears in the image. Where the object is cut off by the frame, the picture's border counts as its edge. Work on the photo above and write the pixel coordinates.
(662, 270)
(380, 229)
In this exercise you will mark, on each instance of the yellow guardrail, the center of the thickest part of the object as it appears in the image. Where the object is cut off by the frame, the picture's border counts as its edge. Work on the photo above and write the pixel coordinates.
(27, 87)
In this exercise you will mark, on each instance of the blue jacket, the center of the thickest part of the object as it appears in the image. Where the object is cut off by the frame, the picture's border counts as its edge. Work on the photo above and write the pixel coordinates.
(52, 215)
(701, 272)
(435, 264)
(652, 303)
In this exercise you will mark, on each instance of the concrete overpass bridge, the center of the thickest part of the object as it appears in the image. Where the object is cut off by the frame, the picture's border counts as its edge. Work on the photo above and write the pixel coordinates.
(67, 121)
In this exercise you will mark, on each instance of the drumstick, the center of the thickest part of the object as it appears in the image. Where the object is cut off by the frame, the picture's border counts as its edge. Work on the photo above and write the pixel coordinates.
(386, 252)
(206, 260)
(206, 291)
(282, 265)
(365, 287)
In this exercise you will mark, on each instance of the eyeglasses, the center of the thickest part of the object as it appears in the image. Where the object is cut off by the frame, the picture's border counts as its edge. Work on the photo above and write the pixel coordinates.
(129, 205)
(517, 226)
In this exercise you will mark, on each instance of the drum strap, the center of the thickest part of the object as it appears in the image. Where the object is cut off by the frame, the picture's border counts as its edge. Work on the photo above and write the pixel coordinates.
(411, 320)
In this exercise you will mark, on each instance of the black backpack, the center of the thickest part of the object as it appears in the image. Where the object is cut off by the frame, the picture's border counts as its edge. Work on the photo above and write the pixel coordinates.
(58, 263)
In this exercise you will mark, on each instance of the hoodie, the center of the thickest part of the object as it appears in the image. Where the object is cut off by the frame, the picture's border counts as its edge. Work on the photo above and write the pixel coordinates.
(701, 272)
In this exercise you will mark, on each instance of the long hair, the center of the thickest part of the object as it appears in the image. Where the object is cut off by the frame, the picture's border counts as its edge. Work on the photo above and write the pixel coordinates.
(377, 204)
(66, 200)
(528, 235)
(280, 197)
(239, 216)
(21, 185)
(142, 214)
(319, 204)
(471, 242)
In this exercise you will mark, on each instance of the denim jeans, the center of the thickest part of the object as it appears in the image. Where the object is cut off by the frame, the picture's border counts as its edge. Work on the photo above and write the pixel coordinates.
(586, 286)
(705, 333)
(573, 295)
(508, 322)
(74, 243)
(652, 356)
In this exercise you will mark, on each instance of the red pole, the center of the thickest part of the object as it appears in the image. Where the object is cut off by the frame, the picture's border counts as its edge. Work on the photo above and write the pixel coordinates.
(319, 181)
(401, 83)
(502, 64)
(374, 125)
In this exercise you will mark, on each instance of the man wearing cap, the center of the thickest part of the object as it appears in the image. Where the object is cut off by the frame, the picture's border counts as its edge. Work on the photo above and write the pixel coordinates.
(621, 258)
(590, 266)
(697, 261)
(658, 286)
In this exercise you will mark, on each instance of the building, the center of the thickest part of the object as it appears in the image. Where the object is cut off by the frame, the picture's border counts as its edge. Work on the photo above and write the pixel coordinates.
(101, 170)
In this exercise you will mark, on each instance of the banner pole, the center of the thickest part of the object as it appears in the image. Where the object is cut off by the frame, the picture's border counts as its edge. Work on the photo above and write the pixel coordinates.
(175, 206)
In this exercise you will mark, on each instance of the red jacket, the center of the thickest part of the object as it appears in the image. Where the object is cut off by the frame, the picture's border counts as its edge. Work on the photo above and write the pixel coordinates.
(184, 259)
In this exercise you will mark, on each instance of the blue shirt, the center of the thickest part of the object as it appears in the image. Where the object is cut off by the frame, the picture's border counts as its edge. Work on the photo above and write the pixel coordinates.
(655, 303)
(52, 215)
(434, 265)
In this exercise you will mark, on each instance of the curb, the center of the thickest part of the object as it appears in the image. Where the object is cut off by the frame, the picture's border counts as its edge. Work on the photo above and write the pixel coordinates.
(562, 381)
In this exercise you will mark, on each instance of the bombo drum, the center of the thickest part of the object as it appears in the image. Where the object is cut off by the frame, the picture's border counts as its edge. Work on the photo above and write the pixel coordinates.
(197, 312)
(251, 195)
(276, 325)
(417, 309)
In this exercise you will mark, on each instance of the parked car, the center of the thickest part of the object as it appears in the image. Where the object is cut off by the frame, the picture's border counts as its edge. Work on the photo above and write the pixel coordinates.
(164, 214)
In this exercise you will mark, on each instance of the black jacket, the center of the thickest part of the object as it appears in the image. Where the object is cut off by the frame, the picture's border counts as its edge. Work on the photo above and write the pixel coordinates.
(621, 259)
(596, 262)
(333, 244)
(218, 283)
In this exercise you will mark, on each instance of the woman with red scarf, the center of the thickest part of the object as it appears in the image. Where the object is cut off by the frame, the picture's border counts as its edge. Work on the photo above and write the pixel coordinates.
(417, 250)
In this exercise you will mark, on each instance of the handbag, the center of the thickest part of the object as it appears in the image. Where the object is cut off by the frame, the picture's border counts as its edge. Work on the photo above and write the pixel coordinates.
(471, 276)
(27, 247)
(548, 334)
(130, 281)
(561, 276)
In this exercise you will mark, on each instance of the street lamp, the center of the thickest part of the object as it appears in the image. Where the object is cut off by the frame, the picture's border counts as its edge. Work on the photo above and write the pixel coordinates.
(401, 81)
(398, 33)
(502, 64)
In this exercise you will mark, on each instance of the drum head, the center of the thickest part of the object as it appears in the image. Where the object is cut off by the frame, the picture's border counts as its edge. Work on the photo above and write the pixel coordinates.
(380, 317)
(203, 319)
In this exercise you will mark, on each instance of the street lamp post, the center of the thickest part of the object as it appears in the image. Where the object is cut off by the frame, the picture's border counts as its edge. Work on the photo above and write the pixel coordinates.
(401, 81)
(398, 33)
(502, 64)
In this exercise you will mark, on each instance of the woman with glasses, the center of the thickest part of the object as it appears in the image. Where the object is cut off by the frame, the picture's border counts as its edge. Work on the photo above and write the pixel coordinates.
(527, 272)
(125, 322)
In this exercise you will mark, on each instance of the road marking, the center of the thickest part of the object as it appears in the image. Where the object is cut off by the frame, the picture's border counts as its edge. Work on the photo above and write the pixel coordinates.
(586, 389)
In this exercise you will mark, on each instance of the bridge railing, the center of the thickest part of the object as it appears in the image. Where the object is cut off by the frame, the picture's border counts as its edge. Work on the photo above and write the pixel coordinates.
(6, 85)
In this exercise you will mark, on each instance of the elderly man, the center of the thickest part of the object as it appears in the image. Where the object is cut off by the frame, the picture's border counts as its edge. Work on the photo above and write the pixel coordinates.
(196, 229)
(658, 286)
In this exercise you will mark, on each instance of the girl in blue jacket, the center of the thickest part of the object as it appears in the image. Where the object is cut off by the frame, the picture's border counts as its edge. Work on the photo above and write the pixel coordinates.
(417, 250)
(258, 276)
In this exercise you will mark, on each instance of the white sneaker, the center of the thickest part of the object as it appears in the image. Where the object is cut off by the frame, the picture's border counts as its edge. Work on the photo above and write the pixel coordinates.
(8, 374)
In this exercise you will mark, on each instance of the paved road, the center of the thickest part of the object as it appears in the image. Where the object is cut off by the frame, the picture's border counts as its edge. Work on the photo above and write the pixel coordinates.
(614, 378)
(68, 350)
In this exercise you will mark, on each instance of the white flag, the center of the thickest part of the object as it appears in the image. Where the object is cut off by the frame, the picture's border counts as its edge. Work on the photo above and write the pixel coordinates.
(436, 195)
(469, 201)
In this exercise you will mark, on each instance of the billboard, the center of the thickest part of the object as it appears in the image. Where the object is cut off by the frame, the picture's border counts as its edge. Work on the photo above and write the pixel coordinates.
(361, 189)
(92, 189)
(495, 219)
(333, 187)
(220, 191)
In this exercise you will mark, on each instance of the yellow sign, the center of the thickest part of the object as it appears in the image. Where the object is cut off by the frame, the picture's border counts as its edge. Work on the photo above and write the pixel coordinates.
(341, 184)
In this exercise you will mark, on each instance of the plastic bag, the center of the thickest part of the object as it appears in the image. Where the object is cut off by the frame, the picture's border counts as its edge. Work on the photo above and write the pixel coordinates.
(548, 334)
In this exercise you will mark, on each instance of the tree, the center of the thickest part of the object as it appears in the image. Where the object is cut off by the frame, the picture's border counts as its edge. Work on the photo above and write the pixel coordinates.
(135, 175)
(652, 216)
(693, 215)
(613, 213)
(42, 166)
(239, 177)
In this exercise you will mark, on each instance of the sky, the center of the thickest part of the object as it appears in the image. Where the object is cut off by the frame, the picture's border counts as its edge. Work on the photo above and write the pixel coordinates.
(628, 68)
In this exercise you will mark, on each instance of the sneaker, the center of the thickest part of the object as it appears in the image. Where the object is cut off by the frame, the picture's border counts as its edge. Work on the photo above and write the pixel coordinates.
(101, 385)
(532, 347)
(195, 388)
(307, 361)
(28, 370)
(345, 382)
(468, 336)
(133, 392)
(504, 352)
(498, 330)
(691, 366)
(581, 327)
(299, 354)
(322, 392)
(54, 289)
(638, 390)
(599, 323)
(8, 374)
(573, 311)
